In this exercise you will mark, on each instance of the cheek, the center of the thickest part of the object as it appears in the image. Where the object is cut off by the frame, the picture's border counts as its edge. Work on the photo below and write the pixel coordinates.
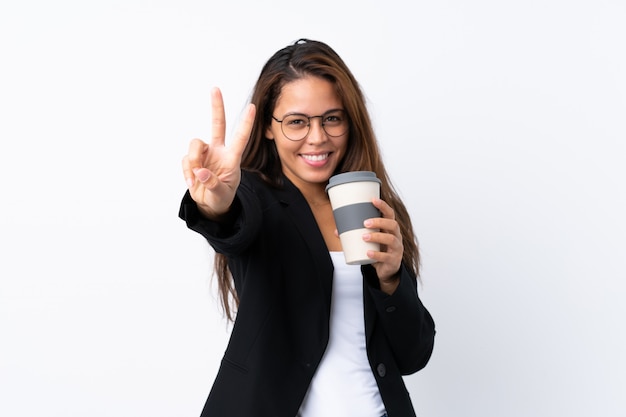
(342, 146)
(285, 146)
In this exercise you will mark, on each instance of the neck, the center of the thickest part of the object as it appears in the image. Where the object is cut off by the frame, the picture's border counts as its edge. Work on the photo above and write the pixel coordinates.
(315, 194)
(316, 197)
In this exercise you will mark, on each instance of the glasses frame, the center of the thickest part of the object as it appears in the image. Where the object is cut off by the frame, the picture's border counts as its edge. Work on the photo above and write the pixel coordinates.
(321, 117)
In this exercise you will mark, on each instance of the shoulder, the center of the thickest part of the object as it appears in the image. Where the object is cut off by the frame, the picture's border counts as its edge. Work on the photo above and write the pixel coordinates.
(253, 181)
(283, 190)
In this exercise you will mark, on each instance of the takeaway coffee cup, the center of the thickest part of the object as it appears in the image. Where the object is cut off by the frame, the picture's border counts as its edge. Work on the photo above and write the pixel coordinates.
(351, 195)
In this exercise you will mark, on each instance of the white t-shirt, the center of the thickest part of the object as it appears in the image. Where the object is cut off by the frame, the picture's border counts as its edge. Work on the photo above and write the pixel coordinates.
(343, 384)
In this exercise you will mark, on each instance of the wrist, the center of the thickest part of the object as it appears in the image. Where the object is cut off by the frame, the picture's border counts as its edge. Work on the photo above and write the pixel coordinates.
(389, 285)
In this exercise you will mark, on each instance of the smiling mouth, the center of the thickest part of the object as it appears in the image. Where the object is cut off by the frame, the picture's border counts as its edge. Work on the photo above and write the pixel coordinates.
(316, 158)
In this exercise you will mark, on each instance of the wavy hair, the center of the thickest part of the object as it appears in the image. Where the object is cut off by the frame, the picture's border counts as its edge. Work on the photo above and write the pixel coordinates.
(305, 58)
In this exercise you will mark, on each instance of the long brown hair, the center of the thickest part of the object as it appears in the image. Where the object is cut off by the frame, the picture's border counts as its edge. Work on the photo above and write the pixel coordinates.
(313, 58)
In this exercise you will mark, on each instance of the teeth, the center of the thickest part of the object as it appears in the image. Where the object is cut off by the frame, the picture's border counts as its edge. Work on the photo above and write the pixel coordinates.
(315, 157)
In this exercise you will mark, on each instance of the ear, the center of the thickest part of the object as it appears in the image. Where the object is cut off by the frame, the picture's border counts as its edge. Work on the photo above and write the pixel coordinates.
(269, 134)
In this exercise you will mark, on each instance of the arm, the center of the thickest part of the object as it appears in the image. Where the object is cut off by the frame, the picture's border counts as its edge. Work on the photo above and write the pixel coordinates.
(407, 324)
(232, 231)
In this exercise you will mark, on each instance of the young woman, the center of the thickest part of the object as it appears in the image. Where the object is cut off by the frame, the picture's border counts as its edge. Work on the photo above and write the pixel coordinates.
(312, 336)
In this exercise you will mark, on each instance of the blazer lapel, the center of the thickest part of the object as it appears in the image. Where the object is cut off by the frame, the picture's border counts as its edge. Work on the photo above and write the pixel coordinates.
(302, 217)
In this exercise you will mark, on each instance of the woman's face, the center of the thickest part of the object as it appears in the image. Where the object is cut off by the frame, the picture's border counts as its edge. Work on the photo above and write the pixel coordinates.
(311, 160)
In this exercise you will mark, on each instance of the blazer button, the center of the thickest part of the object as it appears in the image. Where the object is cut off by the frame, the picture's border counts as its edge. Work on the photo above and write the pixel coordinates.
(381, 369)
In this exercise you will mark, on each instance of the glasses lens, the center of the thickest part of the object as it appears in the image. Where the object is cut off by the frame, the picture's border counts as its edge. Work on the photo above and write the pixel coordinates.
(295, 126)
(335, 123)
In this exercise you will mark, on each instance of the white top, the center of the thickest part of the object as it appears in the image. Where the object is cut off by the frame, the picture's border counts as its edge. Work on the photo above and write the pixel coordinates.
(343, 384)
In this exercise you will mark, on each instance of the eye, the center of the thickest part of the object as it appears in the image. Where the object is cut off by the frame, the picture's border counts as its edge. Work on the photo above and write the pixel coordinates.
(296, 121)
(334, 118)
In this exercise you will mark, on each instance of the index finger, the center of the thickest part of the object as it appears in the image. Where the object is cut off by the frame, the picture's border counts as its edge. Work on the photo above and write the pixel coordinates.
(218, 117)
(385, 209)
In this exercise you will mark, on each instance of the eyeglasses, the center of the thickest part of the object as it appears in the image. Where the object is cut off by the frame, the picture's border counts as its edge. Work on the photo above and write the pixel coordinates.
(297, 126)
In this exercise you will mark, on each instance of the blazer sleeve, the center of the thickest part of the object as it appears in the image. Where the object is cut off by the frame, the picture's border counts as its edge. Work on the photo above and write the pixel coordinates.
(236, 229)
(407, 324)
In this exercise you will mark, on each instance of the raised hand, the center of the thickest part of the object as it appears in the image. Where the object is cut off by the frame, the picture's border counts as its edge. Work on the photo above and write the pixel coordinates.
(212, 170)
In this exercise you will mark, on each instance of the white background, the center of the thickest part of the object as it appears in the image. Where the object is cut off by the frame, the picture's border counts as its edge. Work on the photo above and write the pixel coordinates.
(502, 123)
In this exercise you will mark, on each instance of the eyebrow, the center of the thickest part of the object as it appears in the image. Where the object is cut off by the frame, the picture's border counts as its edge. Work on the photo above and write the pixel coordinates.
(304, 114)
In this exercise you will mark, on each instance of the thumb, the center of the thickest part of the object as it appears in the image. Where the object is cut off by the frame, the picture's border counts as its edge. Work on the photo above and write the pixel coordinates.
(206, 177)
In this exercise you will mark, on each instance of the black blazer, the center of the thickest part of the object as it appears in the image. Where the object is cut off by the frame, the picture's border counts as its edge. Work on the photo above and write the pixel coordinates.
(283, 275)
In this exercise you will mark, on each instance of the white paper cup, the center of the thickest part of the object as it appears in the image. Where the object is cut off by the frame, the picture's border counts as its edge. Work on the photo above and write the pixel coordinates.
(351, 195)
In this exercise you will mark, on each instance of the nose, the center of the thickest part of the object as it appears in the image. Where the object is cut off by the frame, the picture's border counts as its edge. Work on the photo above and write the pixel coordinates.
(317, 134)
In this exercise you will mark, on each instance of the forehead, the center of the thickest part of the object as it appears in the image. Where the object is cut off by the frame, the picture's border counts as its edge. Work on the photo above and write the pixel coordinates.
(309, 95)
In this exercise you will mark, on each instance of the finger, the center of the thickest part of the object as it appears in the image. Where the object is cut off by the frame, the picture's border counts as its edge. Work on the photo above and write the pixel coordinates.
(194, 160)
(197, 153)
(385, 209)
(383, 257)
(218, 118)
(187, 172)
(387, 239)
(388, 225)
(244, 129)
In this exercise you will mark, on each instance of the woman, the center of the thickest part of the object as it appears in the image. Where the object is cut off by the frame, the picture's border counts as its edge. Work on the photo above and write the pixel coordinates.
(312, 336)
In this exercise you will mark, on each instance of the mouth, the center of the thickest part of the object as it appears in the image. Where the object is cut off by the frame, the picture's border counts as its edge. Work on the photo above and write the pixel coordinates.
(316, 158)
